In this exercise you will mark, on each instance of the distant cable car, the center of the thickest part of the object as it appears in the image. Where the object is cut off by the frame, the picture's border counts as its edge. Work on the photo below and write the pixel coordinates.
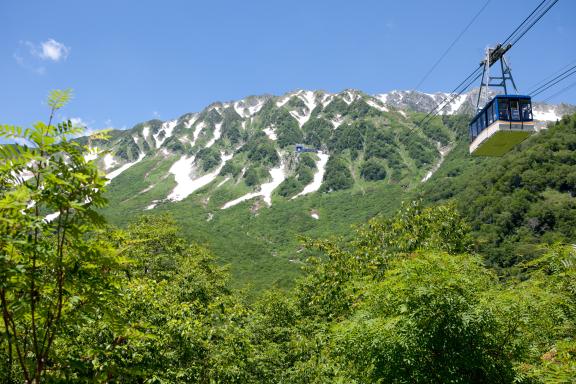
(300, 148)
(504, 121)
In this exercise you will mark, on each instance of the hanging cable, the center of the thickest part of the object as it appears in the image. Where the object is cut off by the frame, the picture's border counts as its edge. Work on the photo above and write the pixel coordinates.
(474, 74)
(509, 38)
(560, 92)
(554, 81)
(548, 78)
(512, 39)
(451, 45)
(534, 22)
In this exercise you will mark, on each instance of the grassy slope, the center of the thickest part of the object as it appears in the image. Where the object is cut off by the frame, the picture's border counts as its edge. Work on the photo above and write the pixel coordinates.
(261, 247)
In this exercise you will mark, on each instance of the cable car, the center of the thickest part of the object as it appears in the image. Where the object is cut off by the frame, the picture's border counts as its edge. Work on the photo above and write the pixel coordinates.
(503, 123)
(505, 120)
(300, 148)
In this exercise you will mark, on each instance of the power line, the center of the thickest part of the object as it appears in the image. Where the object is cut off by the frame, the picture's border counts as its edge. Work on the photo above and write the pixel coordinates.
(474, 73)
(560, 92)
(538, 84)
(512, 39)
(569, 72)
(534, 22)
(523, 22)
(452, 45)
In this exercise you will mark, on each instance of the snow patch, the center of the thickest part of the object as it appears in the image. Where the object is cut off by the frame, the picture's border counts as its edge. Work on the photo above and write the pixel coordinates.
(349, 97)
(543, 115)
(309, 99)
(301, 119)
(326, 99)
(146, 132)
(118, 171)
(457, 103)
(278, 175)
(167, 128)
(91, 155)
(270, 133)
(223, 182)
(443, 152)
(315, 216)
(283, 100)
(245, 110)
(373, 104)
(217, 134)
(196, 133)
(109, 161)
(337, 121)
(318, 176)
(185, 184)
(383, 97)
(191, 121)
(152, 206)
(403, 113)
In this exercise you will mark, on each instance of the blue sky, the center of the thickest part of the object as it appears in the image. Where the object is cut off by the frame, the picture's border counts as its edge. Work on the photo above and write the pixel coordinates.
(130, 61)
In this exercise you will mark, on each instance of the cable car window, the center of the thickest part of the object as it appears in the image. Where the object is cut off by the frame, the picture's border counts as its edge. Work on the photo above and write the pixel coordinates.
(526, 108)
(494, 111)
(482, 121)
(490, 114)
(503, 110)
(515, 109)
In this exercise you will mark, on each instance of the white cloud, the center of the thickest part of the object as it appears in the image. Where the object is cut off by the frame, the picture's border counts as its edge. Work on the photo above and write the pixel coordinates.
(77, 121)
(53, 50)
(50, 49)
(33, 56)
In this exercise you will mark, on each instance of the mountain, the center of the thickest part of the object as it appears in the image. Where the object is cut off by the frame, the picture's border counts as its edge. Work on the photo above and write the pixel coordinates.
(463, 104)
(218, 171)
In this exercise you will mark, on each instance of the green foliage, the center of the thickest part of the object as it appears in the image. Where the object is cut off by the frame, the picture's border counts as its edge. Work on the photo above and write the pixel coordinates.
(419, 148)
(254, 176)
(349, 136)
(209, 158)
(317, 132)
(337, 176)
(232, 167)
(55, 271)
(290, 187)
(261, 149)
(427, 322)
(372, 170)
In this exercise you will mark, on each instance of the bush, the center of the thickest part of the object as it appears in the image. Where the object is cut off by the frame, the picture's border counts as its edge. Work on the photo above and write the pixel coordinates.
(337, 176)
(209, 158)
(290, 187)
(373, 169)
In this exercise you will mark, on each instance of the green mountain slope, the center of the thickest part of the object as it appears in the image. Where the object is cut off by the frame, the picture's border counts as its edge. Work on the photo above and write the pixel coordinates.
(519, 201)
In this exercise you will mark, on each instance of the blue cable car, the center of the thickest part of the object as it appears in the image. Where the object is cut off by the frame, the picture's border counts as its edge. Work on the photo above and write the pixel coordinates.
(504, 122)
(301, 148)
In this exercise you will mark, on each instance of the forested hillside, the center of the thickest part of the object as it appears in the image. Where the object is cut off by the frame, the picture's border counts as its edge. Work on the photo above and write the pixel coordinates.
(517, 203)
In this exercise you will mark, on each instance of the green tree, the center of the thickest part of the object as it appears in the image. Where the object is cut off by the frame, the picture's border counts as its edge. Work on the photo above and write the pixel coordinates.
(427, 322)
(53, 273)
(372, 169)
